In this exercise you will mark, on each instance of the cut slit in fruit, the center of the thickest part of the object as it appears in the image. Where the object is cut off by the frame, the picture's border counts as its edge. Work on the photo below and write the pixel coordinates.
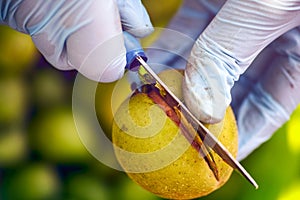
(172, 110)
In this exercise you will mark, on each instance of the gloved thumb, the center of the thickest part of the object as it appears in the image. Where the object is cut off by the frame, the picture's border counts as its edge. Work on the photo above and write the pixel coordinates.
(97, 49)
(134, 18)
(206, 86)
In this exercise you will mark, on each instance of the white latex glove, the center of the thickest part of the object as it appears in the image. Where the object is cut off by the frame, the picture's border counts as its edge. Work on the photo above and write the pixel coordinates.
(263, 98)
(227, 47)
(271, 93)
(85, 35)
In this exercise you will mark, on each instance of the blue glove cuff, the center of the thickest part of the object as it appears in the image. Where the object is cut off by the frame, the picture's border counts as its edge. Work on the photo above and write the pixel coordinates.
(133, 49)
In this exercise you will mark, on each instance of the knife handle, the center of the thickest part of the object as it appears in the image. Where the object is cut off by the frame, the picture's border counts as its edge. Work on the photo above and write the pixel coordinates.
(133, 49)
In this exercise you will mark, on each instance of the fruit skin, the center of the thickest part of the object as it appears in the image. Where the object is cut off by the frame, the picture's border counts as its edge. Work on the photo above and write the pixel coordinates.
(13, 101)
(53, 136)
(188, 176)
(17, 53)
(13, 146)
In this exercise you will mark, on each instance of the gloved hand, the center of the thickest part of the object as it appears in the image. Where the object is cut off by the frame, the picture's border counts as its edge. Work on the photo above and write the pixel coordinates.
(85, 35)
(225, 50)
(268, 92)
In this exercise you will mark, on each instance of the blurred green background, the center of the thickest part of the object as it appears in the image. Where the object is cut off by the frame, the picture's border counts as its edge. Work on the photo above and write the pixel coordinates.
(42, 157)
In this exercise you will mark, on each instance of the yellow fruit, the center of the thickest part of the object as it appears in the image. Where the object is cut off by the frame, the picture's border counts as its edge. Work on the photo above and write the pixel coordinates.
(17, 52)
(160, 15)
(293, 127)
(154, 153)
(53, 135)
(108, 98)
(13, 100)
(13, 146)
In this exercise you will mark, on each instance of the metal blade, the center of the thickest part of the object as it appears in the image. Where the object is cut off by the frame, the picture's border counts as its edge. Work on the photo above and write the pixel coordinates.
(208, 138)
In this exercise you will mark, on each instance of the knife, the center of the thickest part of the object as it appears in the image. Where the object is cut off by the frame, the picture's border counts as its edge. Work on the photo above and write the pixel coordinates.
(136, 58)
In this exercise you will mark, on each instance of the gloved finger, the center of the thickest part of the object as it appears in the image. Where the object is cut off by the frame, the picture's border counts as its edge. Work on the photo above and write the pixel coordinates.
(174, 44)
(85, 35)
(244, 85)
(227, 47)
(134, 18)
(273, 98)
(97, 48)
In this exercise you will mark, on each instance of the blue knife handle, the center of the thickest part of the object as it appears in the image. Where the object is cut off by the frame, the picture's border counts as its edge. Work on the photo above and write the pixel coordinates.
(133, 49)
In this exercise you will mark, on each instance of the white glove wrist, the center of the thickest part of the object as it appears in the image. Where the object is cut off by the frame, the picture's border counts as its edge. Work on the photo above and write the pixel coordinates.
(259, 114)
